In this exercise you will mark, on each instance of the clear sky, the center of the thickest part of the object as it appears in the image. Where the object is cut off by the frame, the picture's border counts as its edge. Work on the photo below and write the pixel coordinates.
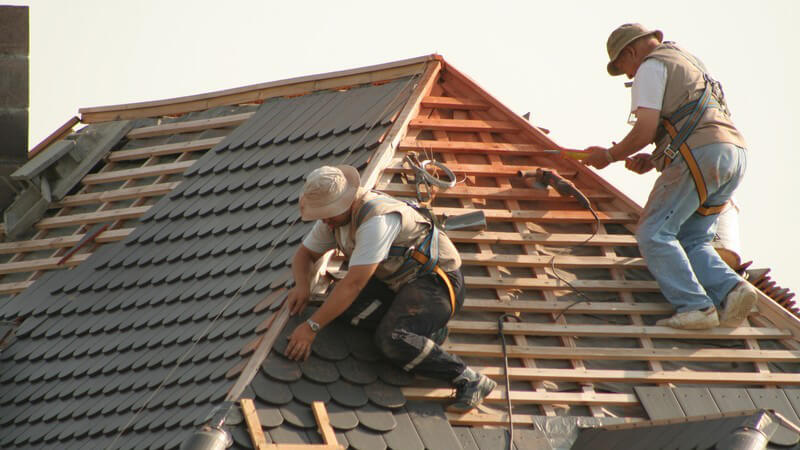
(544, 57)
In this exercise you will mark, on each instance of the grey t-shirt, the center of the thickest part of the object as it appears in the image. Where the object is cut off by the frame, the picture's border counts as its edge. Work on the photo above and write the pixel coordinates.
(373, 239)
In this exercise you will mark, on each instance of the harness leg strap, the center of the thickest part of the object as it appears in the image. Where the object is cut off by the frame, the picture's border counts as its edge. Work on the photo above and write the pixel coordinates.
(422, 259)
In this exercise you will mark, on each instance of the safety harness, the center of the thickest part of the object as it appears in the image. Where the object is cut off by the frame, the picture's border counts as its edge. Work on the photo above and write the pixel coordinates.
(712, 97)
(425, 257)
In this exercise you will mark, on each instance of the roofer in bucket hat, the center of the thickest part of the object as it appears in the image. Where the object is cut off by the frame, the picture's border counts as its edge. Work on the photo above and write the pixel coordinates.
(679, 107)
(403, 279)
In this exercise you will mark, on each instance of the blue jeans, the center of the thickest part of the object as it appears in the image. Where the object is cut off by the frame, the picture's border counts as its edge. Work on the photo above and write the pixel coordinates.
(675, 240)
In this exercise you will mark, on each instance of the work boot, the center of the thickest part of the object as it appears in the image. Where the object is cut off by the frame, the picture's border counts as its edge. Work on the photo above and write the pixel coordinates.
(738, 304)
(471, 388)
(700, 319)
(440, 335)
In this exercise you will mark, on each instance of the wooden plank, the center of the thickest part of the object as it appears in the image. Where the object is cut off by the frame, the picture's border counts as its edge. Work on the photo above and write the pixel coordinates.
(547, 216)
(164, 149)
(424, 145)
(492, 126)
(545, 329)
(482, 170)
(141, 172)
(325, 429)
(453, 103)
(598, 262)
(113, 235)
(42, 264)
(541, 306)
(543, 283)
(624, 354)
(95, 217)
(659, 402)
(498, 395)
(257, 92)
(778, 315)
(474, 418)
(497, 237)
(189, 126)
(647, 376)
(253, 424)
(550, 216)
(152, 190)
(14, 288)
(495, 193)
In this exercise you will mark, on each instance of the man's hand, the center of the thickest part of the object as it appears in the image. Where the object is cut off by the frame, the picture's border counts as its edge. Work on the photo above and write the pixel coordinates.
(598, 157)
(299, 346)
(298, 299)
(639, 163)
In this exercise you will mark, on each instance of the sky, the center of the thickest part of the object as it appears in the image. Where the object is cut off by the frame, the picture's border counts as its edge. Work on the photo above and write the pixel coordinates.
(546, 58)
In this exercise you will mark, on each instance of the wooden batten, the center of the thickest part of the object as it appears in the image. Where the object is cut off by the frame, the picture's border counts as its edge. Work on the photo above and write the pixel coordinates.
(164, 149)
(189, 126)
(95, 217)
(142, 172)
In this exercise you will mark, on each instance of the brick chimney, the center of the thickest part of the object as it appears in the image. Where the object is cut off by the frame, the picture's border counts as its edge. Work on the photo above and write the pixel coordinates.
(14, 51)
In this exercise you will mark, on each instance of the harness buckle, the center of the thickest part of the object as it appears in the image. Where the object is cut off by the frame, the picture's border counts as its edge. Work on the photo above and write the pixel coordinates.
(408, 252)
(671, 154)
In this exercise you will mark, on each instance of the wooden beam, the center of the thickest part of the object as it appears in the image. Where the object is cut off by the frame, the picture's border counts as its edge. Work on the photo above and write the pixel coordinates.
(495, 193)
(491, 126)
(549, 216)
(600, 262)
(152, 190)
(253, 424)
(625, 354)
(498, 395)
(60, 242)
(474, 418)
(94, 217)
(258, 92)
(498, 237)
(14, 288)
(323, 423)
(544, 283)
(189, 126)
(778, 315)
(487, 170)
(422, 145)
(141, 172)
(643, 376)
(453, 103)
(42, 264)
(541, 306)
(546, 329)
(164, 149)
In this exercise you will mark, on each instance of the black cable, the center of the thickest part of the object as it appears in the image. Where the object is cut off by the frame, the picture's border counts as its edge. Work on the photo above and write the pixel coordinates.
(500, 333)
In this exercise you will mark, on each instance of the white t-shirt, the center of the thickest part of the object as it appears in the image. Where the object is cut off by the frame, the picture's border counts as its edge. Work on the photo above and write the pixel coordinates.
(373, 238)
(649, 85)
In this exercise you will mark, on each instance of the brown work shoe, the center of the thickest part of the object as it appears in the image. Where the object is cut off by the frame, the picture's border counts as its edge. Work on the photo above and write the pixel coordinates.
(738, 303)
(701, 319)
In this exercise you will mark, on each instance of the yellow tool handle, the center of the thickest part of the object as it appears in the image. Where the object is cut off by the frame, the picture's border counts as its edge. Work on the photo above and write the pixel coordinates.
(570, 153)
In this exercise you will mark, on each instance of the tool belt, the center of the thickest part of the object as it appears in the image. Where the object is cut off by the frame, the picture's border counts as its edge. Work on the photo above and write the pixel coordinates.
(694, 110)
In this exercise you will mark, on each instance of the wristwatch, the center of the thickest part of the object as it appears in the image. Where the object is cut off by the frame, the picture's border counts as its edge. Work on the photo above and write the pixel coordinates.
(314, 325)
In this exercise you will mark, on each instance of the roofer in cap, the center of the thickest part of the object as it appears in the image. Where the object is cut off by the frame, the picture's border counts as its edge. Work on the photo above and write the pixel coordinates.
(403, 279)
(679, 107)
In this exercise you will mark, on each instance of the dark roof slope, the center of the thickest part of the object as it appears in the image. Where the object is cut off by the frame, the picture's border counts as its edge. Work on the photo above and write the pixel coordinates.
(142, 337)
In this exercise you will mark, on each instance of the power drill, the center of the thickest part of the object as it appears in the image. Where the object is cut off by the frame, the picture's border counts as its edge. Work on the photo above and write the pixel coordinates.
(541, 178)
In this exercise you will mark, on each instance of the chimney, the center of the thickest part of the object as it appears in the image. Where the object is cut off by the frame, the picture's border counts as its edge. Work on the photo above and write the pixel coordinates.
(14, 51)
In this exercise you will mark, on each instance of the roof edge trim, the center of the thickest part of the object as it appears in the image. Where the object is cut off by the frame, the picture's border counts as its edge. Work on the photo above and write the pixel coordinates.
(257, 92)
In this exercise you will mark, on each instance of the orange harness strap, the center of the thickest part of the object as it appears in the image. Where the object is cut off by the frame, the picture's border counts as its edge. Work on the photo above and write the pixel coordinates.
(422, 259)
(694, 169)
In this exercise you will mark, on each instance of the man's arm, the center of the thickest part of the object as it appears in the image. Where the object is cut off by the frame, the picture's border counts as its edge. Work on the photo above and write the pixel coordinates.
(301, 269)
(643, 133)
(341, 298)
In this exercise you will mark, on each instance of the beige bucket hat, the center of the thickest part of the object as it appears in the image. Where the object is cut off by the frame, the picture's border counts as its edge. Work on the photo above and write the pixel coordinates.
(328, 192)
(621, 37)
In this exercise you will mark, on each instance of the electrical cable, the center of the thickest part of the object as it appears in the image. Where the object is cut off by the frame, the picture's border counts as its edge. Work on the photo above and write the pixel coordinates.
(236, 295)
(500, 333)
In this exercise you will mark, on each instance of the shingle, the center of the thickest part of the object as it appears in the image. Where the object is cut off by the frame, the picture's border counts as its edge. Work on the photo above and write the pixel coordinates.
(365, 439)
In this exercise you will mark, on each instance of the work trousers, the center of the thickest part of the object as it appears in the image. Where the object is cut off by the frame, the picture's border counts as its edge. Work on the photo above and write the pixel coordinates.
(675, 240)
(404, 321)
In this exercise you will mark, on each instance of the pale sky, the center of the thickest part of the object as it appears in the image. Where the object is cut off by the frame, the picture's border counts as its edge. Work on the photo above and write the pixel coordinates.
(544, 57)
